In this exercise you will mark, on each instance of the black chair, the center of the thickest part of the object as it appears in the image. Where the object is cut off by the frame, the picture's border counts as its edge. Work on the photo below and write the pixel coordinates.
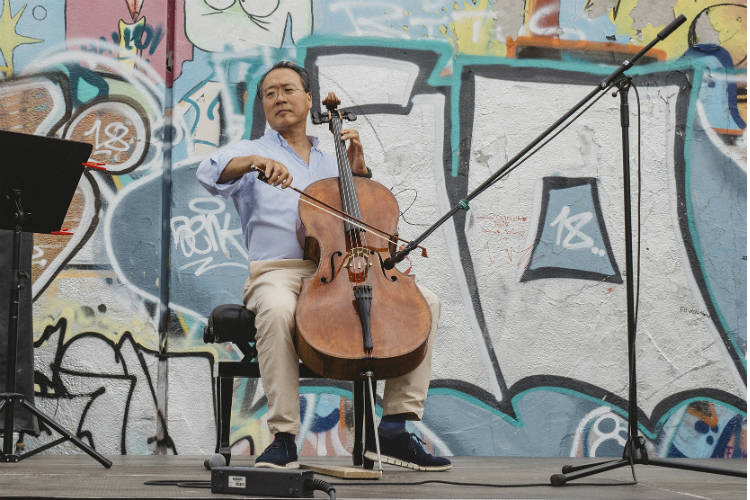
(234, 323)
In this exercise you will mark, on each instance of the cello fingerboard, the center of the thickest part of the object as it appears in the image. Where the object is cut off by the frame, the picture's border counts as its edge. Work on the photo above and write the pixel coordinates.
(346, 179)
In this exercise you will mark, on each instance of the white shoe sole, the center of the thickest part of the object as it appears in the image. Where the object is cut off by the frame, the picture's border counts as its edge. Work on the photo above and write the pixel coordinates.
(269, 465)
(370, 455)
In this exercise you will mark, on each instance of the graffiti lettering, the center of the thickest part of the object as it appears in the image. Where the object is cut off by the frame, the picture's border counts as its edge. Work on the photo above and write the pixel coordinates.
(133, 38)
(523, 260)
(187, 234)
(694, 311)
(115, 131)
(140, 37)
(100, 46)
(573, 230)
(36, 257)
(502, 224)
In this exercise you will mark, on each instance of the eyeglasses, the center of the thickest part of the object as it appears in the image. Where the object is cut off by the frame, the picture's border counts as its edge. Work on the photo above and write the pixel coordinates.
(271, 95)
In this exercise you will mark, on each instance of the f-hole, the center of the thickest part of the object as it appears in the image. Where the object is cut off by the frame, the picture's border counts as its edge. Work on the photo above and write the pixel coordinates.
(333, 272)
(382, 268)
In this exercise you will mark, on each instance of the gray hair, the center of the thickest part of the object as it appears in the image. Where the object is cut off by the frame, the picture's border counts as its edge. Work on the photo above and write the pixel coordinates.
(288, 65)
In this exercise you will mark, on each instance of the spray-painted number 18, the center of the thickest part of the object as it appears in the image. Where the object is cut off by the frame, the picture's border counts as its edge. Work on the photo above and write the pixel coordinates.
(115, 132)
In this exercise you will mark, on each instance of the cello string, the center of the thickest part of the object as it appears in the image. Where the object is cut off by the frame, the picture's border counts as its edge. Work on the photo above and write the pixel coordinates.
(378, 233)
(348, 188)
(361, 237)
(346, 217)
(334, 214)
(348, 191)
(340, 213)
(345, 200)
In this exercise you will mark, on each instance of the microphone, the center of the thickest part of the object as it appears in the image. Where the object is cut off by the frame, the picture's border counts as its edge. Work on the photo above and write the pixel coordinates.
(397, 257)
(216, 460)
(671, 27)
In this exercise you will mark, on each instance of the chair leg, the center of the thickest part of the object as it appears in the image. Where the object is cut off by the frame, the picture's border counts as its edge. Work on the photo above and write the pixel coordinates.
(358, 393)
(225, 389)
(217, 412)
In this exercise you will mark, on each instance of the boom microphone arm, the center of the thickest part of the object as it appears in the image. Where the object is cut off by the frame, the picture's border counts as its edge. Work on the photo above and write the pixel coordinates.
(397, 257)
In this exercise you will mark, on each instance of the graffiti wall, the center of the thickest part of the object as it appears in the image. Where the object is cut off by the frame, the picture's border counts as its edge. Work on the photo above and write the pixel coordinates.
(531, 353)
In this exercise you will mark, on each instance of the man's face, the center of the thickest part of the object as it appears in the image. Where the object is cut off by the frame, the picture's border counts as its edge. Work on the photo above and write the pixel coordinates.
(289, 107)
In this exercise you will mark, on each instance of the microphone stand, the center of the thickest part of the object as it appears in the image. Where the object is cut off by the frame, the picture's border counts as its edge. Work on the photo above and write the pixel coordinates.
(635, 446)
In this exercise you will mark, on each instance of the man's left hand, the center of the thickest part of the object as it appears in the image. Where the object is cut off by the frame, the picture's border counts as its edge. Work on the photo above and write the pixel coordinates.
(355, 152)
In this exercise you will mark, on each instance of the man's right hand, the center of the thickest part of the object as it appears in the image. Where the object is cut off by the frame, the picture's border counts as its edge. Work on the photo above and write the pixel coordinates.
(274, 172)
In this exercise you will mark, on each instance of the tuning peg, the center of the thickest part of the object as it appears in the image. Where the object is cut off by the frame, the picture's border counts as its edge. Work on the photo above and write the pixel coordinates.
(318, 118)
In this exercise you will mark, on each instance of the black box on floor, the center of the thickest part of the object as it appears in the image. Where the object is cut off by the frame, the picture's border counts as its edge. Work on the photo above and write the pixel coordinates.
(254, 481)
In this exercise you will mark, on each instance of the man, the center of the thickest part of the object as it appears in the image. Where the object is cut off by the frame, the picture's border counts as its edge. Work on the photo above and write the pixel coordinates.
(270, 221)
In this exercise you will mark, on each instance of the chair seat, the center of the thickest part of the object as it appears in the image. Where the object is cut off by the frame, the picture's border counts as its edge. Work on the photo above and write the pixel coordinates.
(230, 323)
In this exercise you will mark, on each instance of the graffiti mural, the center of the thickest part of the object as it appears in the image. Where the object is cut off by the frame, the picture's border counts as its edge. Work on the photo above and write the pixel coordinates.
(532, 338)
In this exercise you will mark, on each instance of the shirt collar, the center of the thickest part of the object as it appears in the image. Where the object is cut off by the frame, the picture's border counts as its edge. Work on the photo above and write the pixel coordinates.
(278, 139)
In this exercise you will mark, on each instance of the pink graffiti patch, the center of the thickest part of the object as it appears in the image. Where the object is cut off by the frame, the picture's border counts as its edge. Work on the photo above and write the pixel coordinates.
(149, 40)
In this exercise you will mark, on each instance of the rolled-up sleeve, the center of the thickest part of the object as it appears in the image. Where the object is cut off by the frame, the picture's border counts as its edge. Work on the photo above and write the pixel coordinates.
(211, 168)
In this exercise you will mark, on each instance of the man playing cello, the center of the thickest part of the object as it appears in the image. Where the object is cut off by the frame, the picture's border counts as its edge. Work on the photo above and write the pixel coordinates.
(287, 155)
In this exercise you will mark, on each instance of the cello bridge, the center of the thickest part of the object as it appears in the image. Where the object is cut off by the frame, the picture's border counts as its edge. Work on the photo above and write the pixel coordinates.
(358, 261)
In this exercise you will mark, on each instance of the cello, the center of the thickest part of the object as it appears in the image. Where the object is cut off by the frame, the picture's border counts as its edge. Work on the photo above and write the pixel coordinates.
(355, 319)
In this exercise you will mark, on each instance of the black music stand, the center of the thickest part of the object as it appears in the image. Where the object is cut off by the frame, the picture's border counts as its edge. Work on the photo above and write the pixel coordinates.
(43, 173)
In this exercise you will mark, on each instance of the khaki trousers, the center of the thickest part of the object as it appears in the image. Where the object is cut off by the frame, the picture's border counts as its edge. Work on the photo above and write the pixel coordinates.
(271, 293)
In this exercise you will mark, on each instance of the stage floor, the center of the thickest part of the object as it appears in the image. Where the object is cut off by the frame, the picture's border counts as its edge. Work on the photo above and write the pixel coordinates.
(80, 476)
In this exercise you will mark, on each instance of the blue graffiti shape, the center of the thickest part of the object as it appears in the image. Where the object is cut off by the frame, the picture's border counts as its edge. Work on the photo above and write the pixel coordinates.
(85, 85)
(206, 236)
(571, 239)
(717, 187)
(327, 421)
(734, 430)
(151, 37)
(717, 99)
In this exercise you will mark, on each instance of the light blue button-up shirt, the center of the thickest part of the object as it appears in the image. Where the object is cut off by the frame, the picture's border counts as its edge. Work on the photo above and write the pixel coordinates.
(269, 218)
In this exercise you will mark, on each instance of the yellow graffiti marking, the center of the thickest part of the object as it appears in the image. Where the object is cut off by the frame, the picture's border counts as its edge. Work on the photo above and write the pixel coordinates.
(730, 22)
(79, 323)
(473, 25)
(251, 427)
(9, 39)
(127, 35)
(183, 323)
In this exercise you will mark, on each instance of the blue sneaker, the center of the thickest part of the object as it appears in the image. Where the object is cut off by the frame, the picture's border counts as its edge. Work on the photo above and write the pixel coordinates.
(281, 454)
(405, 450)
